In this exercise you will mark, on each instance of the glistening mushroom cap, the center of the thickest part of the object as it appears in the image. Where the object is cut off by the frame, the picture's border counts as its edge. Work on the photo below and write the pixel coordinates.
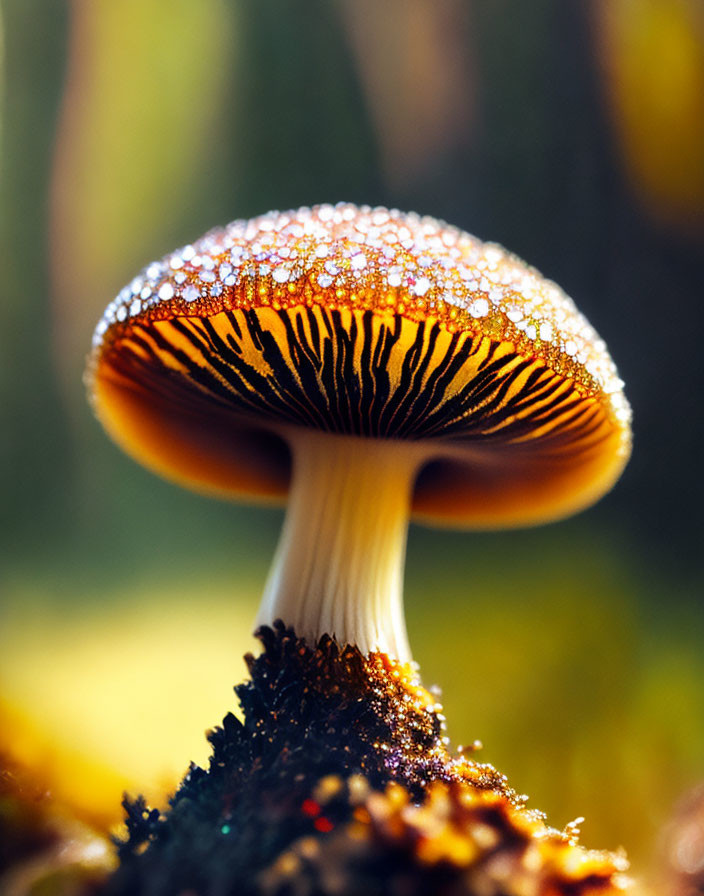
(360, 321)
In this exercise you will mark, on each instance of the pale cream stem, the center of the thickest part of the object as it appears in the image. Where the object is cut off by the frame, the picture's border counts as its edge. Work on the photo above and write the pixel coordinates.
(338, 568)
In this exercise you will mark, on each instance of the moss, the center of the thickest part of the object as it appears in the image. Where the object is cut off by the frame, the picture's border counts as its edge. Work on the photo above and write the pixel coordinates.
(339, 780)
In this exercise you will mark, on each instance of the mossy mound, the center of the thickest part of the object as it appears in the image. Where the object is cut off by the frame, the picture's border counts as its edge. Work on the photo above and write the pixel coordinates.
(339, 781)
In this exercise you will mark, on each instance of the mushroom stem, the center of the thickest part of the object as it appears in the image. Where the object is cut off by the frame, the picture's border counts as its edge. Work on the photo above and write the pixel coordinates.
(338, 568)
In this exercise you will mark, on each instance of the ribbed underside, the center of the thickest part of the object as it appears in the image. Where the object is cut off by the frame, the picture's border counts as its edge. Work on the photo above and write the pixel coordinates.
(348, 372)
(356, 373)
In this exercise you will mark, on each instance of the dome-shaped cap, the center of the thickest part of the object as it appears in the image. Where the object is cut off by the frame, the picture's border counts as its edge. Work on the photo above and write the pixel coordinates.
(367, 322)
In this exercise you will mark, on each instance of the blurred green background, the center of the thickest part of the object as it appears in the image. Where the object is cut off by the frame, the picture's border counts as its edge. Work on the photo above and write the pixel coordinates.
(573, 133)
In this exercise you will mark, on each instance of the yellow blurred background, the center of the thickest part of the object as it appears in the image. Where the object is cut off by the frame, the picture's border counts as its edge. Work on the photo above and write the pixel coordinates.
(571, 133)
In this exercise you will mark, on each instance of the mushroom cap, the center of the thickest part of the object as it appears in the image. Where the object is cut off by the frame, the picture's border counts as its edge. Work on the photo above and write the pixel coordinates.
(361, 321)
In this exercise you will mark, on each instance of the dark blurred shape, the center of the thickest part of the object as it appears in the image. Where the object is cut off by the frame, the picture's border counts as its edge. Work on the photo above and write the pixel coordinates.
(297, 131)
(684, 847)
(33, 65)
(43, 849)
(416, 62)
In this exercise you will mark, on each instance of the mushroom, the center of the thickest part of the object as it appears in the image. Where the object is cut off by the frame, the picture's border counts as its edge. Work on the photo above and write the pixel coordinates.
(376, 366)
